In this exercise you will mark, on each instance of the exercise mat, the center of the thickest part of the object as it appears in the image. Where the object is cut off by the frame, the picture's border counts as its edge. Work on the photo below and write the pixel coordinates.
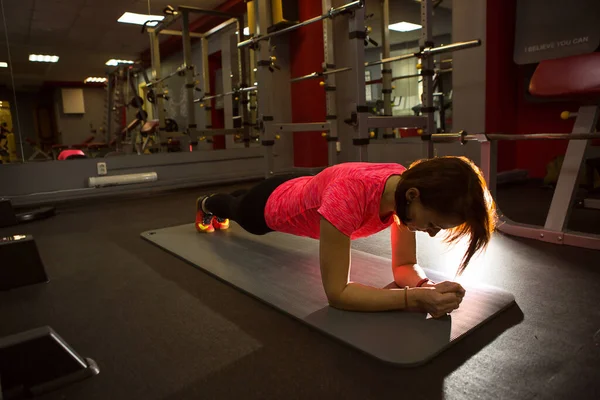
(283, 271)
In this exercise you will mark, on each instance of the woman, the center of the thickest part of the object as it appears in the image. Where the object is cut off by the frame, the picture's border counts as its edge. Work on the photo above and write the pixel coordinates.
(353, 200)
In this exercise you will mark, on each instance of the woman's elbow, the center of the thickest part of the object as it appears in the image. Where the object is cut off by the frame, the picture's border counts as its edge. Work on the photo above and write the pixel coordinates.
(336, 299)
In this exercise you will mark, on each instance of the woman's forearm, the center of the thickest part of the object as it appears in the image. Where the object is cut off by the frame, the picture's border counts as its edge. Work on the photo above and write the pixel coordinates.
(408, 275)
(357, 297)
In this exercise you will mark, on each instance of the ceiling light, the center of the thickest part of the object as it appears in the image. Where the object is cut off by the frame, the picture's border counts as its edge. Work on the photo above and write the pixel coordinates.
(404, 27)
(114, 63)
(43, 58)
(3, 65)
(93, 79)
(140, 19)
(246, 31)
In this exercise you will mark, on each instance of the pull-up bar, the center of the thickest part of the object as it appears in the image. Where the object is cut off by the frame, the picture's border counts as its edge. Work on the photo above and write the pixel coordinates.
(332, 13)
(429, 51)
(171, 18)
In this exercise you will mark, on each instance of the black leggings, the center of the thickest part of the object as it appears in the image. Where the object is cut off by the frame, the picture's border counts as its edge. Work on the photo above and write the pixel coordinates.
(247, 208)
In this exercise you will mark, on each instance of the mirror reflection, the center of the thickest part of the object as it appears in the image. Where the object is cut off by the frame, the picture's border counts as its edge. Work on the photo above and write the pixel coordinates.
(101, 80)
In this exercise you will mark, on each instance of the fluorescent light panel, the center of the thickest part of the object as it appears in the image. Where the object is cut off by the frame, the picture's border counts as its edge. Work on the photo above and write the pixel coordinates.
(114, 63)
(3, 65)
(43, 58)
(93, 79)
(140, 19)
(404, 27)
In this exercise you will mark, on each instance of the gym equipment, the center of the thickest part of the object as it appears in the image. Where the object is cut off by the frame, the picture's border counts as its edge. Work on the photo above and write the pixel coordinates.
(283, 271)
(429, 51)
(319, 74)
(71, 154)
(39, 361)
(8, 147)
(188, 69)
(21, 262)
(284, 14)
(563, 77)
(8, 216)
(332, 13)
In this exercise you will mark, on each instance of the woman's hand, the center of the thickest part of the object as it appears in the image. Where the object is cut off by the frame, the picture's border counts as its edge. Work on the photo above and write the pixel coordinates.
(441, 298)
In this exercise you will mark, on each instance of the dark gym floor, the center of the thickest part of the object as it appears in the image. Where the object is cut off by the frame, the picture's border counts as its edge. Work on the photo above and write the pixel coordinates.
(160, 329)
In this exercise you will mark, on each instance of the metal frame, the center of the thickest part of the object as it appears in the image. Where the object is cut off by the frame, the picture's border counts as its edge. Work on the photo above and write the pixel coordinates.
(359, 106)
(301, 127)
(354, 122)
(332, 13)
(329, 81)
(555, 229)
(427, 71)
(265, 83)
(188, 68)
(386, 71)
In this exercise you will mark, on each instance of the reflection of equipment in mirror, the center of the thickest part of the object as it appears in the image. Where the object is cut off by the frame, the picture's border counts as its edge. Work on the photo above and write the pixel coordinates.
(8, 146)
(172, 131)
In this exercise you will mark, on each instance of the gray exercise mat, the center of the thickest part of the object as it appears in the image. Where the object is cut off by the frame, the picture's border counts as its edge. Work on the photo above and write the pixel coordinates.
(283, 271)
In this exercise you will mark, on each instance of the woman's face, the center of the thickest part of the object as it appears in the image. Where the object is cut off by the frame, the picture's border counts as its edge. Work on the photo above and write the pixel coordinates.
(422, 219)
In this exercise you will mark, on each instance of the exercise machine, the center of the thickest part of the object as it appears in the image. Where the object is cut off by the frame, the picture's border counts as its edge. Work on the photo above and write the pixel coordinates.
(555, 78)
(190, 135)
(39, 361)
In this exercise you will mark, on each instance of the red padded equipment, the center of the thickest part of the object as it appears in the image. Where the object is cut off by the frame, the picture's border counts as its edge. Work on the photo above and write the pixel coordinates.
(575, 76)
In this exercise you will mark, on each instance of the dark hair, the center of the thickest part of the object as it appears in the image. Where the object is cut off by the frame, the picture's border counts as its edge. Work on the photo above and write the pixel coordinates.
(452, 186)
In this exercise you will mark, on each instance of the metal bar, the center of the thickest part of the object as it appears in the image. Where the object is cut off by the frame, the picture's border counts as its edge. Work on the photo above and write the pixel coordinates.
(252, 113)
(220, 27)
(109, 107)
(218, 96)
(228, 75)
(330, 97)
(205, 79)
(301, 127)
(189, 70)
(396, 78)
(386, 72)
(564, 194)
(207, 12)
(396, 122)
(379, 81)
(316, 75)
(217, 132)
(360, 130)
(165, 23)
(429, 51)
(332, 13)
(242, 72)
(425, 42)
(452, 47)
(265, 97)
(176, 33)
(569, 238)
(159, 105)
(459, 137)
(407, 141)
(172, 74)
(544, 136)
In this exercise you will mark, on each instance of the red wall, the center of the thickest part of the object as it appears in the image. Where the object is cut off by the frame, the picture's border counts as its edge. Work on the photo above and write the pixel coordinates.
(507, 108)
(308, 98)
